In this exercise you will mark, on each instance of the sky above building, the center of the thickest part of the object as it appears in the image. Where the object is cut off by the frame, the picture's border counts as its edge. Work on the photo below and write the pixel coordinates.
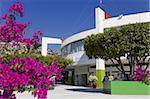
(63, 18)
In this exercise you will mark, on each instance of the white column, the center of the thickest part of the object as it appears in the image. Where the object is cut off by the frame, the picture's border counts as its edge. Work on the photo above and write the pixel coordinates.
(100, 64)
(44, 47)
(100, 72)
(99, 20)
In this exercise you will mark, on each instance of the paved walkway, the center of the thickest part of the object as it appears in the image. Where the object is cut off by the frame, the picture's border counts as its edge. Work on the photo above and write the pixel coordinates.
(76, 92)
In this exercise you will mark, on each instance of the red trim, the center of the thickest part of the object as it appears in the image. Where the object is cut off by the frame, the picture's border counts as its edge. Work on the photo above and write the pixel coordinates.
(107, 16)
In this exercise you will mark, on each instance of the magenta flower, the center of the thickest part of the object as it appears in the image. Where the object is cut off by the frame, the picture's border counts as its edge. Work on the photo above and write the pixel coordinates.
(17, 8)
(140, 74)
(21, 72)
(24, 72)
(13, 31)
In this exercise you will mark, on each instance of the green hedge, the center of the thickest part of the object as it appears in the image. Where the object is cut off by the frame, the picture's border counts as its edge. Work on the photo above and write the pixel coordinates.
(129, 88)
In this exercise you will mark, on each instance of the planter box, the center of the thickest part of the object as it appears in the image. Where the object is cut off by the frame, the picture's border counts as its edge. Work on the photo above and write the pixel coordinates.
(106, 87)
(129, 88)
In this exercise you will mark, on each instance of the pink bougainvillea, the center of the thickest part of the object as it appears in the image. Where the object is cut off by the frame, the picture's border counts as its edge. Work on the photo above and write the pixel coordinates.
(14, 31)
(17, 8)
(140, 74)
(22, 72)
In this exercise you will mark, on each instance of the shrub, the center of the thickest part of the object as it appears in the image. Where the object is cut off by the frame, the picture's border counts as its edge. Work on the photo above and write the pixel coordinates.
(92, 80)
(19, 71)
(142, 75)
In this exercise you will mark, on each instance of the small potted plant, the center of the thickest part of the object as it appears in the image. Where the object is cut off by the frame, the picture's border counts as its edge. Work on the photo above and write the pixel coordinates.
(93, 80)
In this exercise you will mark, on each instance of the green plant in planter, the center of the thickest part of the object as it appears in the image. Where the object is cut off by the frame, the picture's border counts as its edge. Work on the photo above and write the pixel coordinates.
(93, 80)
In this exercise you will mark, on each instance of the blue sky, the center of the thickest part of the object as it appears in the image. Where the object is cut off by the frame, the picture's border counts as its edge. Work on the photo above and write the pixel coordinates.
(63, 18)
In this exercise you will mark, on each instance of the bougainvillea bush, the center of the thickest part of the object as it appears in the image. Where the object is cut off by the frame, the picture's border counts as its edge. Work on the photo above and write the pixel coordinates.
(12, 31)
(18, 72)
(142, 75)
(22, 72)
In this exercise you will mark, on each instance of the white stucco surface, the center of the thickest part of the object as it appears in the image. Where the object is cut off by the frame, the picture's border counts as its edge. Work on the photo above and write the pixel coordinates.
(48, 40)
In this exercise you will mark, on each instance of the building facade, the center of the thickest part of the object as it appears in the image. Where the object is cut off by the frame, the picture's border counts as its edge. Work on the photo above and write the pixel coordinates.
(72, 47)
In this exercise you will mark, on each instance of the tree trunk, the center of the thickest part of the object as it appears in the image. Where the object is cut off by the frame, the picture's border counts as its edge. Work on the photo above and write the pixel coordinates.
(146, 67)
(133, 60)
(116, 66)
(122, 68)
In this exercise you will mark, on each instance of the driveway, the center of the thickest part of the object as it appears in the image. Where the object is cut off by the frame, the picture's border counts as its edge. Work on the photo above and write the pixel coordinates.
(77, 92)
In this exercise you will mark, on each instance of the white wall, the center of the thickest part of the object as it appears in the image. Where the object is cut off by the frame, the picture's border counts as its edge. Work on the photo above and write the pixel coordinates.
(128, 19)
(77, 37)
(46, 41)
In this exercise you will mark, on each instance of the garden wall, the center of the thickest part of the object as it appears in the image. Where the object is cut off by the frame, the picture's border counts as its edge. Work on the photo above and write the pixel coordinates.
(129, 88)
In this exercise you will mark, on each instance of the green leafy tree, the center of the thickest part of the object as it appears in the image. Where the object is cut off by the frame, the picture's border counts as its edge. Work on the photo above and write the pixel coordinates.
(131, 40)
(46, 60)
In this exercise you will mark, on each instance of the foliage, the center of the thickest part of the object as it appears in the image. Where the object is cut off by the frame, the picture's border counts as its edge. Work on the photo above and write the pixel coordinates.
(63, 62)
(20, 72)
(93, 79)
(130, 40)
(103, 45)
(143, 76)
(12, 48)
(46, 60)
(140, 74)
(18, 68)
(14, 31)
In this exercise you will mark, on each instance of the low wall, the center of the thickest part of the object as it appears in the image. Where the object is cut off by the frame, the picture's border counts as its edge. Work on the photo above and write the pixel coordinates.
(106, 87)
(129, 88)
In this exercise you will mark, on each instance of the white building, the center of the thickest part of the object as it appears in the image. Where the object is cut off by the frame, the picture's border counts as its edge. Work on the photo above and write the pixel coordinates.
(72, 47)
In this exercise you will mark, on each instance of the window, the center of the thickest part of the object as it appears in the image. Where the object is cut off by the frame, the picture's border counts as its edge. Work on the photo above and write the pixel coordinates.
(73, 48)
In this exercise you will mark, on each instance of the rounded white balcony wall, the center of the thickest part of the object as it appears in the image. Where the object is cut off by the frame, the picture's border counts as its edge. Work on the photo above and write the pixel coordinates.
(77, 37)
